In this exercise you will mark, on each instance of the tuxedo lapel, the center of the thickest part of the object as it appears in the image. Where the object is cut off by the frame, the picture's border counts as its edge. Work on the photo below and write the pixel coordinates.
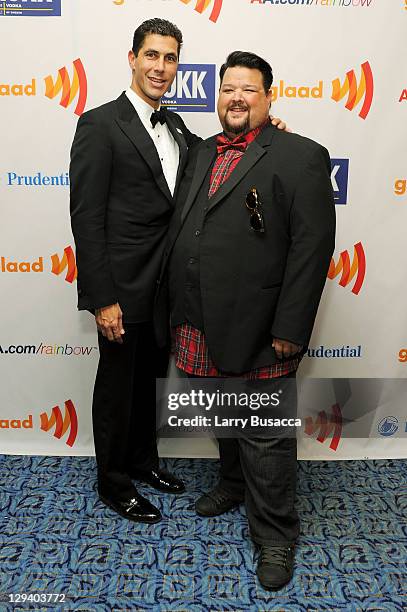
(183, 149)
(130, 123)
(205, 158)
(249, 159)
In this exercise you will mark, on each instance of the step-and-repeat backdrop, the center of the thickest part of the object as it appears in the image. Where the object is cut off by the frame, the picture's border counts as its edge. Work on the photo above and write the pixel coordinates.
(340, 79)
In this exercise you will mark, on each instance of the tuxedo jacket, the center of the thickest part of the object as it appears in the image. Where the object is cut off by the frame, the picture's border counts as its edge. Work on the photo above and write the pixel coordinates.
(255, 286)
(120, 207)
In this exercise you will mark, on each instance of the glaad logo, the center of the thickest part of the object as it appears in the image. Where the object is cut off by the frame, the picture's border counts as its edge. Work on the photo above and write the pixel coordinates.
(282, 90)
(78, 87)
(348, 271)
(202, 5)
(355, 91)
(21, 266)
(30, 8)
(325, 426)
(19, 89)
(69, 89)
(193, 89)
(69, 421)
(17, 423)
(62, 424)
(68, 262)
(58, 265)
(350, 87)
(388, 426)
(339, 180)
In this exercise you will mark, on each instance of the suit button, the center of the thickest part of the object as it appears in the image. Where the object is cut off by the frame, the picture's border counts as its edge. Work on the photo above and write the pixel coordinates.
(192, 260)
(205, 209)
(197, 233)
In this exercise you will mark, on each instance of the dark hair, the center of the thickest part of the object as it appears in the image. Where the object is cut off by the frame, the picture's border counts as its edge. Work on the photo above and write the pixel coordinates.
(155, 26)
(248, 60)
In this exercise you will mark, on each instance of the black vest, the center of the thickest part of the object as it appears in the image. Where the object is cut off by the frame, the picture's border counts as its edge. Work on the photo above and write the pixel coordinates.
(184, 265)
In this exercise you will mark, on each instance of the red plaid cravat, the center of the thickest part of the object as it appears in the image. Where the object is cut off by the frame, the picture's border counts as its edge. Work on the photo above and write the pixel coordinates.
(229, 153)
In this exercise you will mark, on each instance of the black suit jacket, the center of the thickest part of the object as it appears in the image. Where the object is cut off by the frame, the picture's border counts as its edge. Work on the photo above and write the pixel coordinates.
(257, 286)
(120, 207)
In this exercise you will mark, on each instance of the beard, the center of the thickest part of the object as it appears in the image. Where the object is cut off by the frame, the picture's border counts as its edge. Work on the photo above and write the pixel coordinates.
(237, 128)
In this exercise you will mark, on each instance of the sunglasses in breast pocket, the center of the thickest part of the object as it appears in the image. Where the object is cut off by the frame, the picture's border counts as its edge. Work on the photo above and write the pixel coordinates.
(253, 205)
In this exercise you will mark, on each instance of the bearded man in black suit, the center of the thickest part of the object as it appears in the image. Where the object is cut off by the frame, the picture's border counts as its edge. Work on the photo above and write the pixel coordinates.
(246, 262)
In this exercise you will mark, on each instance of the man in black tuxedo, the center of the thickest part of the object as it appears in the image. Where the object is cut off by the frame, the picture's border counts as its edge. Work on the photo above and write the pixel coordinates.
(126, 162)
(245, 266)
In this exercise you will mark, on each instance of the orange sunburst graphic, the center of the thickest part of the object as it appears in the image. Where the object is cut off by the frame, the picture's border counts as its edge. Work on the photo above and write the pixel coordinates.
(70, 89)
(70, 421)
(355, 91)
(348, 271)
(202, 5)
(67, 261)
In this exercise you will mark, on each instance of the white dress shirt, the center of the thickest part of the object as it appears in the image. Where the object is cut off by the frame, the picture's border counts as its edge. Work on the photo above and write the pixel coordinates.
(167, 147)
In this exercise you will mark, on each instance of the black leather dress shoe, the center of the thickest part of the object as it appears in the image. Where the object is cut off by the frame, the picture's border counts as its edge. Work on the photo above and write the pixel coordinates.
(135, 508)
(160, 480)
(275, 566)
(216, 502)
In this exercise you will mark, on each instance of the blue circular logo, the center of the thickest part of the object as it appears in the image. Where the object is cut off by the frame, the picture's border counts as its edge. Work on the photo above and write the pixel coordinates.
(388, 426)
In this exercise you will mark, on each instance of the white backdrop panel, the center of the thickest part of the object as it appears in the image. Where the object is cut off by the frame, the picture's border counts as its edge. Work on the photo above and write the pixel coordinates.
(48, 351)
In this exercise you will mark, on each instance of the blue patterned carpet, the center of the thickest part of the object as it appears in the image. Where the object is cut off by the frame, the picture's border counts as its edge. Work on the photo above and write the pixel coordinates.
(56, 537)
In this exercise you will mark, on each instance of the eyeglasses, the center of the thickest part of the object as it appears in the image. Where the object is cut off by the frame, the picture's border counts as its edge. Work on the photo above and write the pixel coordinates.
(253, 203)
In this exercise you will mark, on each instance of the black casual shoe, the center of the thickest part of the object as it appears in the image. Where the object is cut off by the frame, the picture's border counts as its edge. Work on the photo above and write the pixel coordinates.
(215, 502)
(135, 508)
(275, 566)
(160, 480)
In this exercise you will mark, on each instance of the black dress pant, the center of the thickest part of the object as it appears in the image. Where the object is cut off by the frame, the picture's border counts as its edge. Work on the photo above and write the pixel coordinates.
(262, 471)
(124, 408)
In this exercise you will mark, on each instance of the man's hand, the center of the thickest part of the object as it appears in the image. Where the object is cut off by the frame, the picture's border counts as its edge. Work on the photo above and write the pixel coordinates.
(109, 322)
(280, 124)
(285, 349)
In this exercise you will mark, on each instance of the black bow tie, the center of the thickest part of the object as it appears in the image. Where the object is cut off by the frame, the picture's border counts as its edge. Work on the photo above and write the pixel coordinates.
(158, 116)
